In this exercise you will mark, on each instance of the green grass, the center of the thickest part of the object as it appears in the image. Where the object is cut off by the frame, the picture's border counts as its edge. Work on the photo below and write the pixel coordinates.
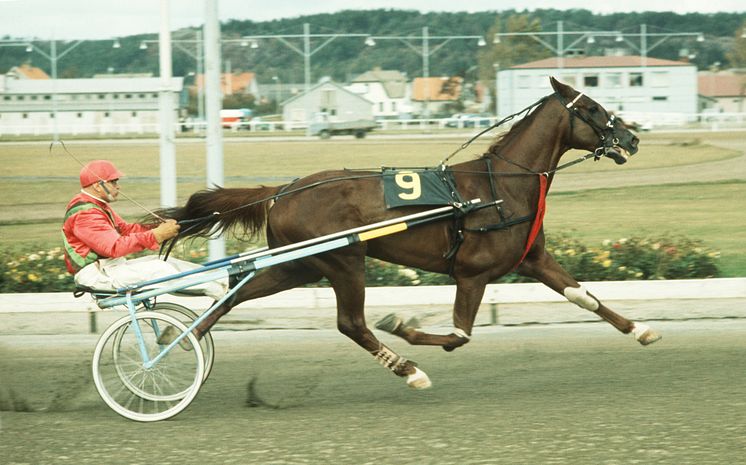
(699, 211)
(37, 184)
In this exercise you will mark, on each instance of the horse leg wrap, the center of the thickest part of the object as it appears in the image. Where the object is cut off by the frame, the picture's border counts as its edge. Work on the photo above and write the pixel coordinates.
(390, 359)
(580, 297)
(461, 334)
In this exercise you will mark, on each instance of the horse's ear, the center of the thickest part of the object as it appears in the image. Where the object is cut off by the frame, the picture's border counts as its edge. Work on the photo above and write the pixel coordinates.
(560, 88)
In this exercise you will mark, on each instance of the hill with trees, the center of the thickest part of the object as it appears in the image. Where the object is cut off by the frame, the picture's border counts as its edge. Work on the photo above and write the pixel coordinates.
(344, 57)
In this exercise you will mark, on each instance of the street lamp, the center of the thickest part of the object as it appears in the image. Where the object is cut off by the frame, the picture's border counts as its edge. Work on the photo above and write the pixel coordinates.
(425, 51)
(306, 52)
(197, 55)
(53, 58)
(560, 49)
(644, 48)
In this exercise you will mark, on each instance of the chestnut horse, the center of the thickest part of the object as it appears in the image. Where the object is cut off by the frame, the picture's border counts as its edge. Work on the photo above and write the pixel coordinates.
(522, 163)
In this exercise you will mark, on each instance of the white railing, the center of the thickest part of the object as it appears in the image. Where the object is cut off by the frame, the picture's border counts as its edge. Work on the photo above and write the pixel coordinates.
(648, 121)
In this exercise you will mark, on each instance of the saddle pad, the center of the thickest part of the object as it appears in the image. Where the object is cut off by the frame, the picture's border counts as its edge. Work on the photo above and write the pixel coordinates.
(404, 187)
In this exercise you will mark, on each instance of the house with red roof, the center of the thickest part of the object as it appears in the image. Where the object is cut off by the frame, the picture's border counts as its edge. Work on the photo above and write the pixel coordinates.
(631, 85)
(722, 92)
(26, 71)
(431, 96)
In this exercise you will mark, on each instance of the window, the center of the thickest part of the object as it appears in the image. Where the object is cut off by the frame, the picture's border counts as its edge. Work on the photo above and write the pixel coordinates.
(660, 99)
(80, 115)
(635, 79)
(106, 114)
(34, 97)
(116, 96)
(590, 80)
(25, 116)
(393, 106)
(380, 106)
(127, 95)
(134, 114)
(614, 80)
(7, 97)
(47, 97)
(20, 97)
(51, 115)
(659, 79)
(101, 96)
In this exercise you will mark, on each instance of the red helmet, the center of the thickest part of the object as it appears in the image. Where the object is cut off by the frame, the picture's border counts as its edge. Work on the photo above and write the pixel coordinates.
(98, 170)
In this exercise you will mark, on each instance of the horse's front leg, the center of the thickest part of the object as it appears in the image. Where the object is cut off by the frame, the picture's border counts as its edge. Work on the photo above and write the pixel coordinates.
(541, 265)
(469, 294)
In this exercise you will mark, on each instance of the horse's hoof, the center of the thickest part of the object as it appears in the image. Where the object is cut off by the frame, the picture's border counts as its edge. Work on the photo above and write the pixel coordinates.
(169, 335)
(390, 323)
(645, 335)
(418, 380)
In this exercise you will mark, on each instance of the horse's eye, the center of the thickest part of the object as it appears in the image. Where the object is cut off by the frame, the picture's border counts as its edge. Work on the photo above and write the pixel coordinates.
(593, 109)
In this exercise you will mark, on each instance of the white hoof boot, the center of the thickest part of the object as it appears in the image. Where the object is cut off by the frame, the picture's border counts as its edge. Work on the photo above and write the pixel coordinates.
(645, 335)
(418, 380)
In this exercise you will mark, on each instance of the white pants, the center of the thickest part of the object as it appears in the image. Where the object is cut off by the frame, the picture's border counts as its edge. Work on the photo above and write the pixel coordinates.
(114, 273)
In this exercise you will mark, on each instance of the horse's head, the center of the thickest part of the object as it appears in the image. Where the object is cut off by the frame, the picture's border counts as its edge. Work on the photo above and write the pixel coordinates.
(597, 130)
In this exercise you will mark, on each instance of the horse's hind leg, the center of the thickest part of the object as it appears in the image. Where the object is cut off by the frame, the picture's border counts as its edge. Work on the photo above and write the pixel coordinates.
(469, 294)
(541, 265)
(346, 274)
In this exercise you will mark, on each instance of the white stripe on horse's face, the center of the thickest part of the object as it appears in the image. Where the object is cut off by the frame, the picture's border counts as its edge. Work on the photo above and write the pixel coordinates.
(580, 297)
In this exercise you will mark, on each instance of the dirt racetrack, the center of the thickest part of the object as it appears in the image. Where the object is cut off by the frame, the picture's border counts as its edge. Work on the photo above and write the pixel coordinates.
(544, 394)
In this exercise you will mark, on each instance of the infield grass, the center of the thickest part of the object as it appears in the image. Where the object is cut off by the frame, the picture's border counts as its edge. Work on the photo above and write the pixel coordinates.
(36, 183)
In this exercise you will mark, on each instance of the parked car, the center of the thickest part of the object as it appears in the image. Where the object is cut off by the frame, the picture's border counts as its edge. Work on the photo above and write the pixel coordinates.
(468, 120)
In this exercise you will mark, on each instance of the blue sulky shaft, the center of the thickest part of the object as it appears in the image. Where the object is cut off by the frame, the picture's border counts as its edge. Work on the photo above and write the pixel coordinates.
(263, 258)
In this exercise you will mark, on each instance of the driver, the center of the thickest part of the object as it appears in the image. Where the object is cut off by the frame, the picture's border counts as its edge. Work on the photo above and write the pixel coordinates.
(97, 240)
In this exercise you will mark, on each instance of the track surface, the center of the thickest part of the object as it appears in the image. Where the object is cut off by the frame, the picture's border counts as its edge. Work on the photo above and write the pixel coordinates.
(566, 393)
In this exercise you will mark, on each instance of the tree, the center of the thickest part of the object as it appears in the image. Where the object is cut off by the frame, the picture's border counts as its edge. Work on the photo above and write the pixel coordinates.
(510, 50)
(737, 54)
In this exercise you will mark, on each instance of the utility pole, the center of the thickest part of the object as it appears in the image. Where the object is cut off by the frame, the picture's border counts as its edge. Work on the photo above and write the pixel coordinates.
(213, 104)
(166, 107)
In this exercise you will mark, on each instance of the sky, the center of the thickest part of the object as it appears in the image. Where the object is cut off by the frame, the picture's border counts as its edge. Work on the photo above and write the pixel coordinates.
(105, 19)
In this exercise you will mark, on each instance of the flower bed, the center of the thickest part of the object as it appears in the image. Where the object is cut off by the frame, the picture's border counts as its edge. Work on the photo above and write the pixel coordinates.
(633, 258)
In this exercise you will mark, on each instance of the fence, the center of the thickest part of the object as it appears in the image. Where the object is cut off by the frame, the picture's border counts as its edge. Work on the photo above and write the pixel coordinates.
(305, 302)
(646, 121)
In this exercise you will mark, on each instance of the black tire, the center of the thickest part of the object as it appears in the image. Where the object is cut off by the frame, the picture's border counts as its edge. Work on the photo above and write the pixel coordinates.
(360, 134)
(325, 134)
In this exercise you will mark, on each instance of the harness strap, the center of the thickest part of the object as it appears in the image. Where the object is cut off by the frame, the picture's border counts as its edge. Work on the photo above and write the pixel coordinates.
(493, 188)
(502, 225)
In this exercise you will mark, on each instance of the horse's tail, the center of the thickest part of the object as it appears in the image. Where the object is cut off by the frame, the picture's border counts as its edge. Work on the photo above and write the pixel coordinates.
(214, 211)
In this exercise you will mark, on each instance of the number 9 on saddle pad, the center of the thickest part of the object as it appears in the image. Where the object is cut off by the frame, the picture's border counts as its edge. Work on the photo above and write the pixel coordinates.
(406, 187)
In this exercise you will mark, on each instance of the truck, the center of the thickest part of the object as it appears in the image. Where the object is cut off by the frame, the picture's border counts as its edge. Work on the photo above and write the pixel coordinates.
(235, 119)
(325, 128)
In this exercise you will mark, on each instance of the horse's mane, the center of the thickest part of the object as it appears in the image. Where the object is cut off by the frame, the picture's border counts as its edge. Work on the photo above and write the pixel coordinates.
(503, 139)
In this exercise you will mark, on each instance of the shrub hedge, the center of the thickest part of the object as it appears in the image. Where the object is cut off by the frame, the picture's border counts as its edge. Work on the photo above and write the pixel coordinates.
(31, 269)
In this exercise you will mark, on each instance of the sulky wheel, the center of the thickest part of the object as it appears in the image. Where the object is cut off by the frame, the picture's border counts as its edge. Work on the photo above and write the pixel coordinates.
(187, 317)
(137, 392)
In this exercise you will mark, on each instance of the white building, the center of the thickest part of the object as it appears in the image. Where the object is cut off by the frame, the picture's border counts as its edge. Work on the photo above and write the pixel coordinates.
(80, 106)
(388, 90)
(628, 84)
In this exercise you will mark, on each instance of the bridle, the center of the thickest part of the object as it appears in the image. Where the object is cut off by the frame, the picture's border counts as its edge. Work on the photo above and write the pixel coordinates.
(607, 135)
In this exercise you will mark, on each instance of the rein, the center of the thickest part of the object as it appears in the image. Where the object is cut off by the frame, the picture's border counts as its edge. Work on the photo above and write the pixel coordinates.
(607, 143)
